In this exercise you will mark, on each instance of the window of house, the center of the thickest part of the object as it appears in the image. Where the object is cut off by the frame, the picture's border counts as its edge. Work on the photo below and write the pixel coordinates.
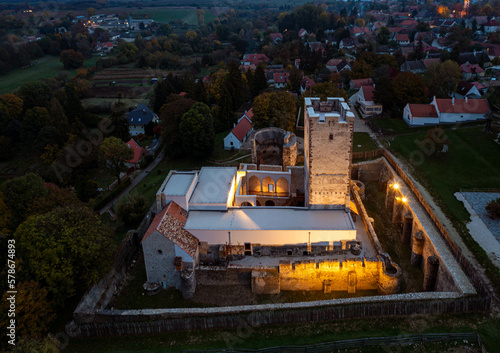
(160, 252)
(271, 188)
(231, 143)
(331, 137)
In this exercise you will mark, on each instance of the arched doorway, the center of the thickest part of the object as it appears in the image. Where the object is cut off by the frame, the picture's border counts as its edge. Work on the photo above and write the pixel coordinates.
(269, 203)
(254, 186)
(246, 204)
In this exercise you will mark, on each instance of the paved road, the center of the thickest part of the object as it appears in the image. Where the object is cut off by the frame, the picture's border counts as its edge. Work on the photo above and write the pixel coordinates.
(136, 181)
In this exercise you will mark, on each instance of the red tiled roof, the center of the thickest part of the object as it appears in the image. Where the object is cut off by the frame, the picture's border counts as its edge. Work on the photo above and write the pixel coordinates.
(472, 106)
(492, 23)
(241, 129)
(479, 85)
(276, 35)
(423, 111)
(468, 68)
(362, 82)
(170, 223)
(402, 38)
(429, 62)
(356, 30)
(281, 77)
(139, 152)
(333, 62)
(249, 113)
(368, 93)
(256, 59)
(302, 32)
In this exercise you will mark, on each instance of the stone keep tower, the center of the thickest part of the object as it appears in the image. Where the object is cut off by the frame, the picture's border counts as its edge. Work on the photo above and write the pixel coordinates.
(328, 128)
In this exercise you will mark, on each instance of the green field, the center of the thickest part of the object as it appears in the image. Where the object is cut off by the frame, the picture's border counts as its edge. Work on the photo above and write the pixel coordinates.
(362, 142)
(165, 15)
(47, 67)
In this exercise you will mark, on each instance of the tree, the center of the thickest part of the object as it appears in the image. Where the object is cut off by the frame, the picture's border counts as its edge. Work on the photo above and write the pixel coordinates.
(20, 193)
(33, 312)
(164, 29)
(115, 153)
(33, 122)
(65, 250)
(275, 109)
(170, 118)
(91, 11)
(71, 59)
(384, 35)
(35, 94)
(493, 208)
(197, 131)
(442, 79)
(5, 217)
(408, 88)
(419, 50)
(12, 105)
(132, 209)
(325, 90)
(259, 82)
(361, 69)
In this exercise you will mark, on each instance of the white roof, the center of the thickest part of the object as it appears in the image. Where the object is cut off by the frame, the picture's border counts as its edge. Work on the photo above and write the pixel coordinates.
(214, 184)
(270, 218)
(179, 183)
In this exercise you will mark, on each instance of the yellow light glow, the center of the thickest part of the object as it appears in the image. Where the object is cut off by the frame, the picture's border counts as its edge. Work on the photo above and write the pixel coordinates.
(404, 199)
(395, 186)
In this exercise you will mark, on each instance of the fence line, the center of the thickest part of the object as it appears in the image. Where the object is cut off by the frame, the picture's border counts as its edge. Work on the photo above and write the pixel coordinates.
(367, 154)
(360, 342)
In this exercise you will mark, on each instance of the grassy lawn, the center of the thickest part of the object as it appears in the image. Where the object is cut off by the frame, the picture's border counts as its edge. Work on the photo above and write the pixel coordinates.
(398, 126)
(47, 67)
(165, 15)
(145, 142)
(473, 160)
(363, 142)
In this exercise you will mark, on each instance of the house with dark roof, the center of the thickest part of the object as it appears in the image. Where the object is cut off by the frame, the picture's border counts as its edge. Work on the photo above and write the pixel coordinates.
(347, 43)
(139, 118)
(306, 84)
(139, 153)
(468, 89)
(491, 26)
(239, 134)
(417, 67)
(170, 251)
(446, 111)
(338, 65)
(366, 101)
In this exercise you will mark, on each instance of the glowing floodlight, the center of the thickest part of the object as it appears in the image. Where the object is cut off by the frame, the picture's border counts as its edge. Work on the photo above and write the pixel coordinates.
(395, 186)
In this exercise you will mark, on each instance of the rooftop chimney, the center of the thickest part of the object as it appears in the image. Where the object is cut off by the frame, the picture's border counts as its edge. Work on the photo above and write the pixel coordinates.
(466, 99)
(453, 101)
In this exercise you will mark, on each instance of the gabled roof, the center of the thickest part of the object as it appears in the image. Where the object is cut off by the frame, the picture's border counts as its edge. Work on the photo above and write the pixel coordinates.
(302, 32)
(358, 30)
(275, 36)
(368, 93)
(476, 57)
(138, 151)
(402, 37)
(281, 77)
(307, 82)
(413, 65)
(460, 106)
(241, 129)
(141, 115)
(170, 223)
(492, 23)
(423, 111)
(249, 113)
(362, 82)
(471, 68)
(256, 59)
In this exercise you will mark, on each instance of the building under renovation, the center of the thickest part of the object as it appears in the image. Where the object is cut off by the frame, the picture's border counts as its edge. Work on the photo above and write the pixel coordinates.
(294, 227)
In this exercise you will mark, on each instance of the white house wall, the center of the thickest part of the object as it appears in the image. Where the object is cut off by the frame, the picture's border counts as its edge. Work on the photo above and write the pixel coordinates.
(272, 237)
(231, 138)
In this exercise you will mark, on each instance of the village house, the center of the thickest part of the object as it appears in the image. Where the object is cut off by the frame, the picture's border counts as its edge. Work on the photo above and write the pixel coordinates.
(446, 111)
(139, 154)
(139, 118)
(306, 84)
(240, 132)
(276, 37)
(357, 84)
(338, 65)
(366, 101)
(471, 71)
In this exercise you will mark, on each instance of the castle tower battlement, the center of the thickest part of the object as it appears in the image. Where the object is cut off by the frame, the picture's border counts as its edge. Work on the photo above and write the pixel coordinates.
(328, 131)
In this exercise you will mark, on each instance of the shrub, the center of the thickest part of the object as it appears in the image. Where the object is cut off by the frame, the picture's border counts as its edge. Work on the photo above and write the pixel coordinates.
(132, 209)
